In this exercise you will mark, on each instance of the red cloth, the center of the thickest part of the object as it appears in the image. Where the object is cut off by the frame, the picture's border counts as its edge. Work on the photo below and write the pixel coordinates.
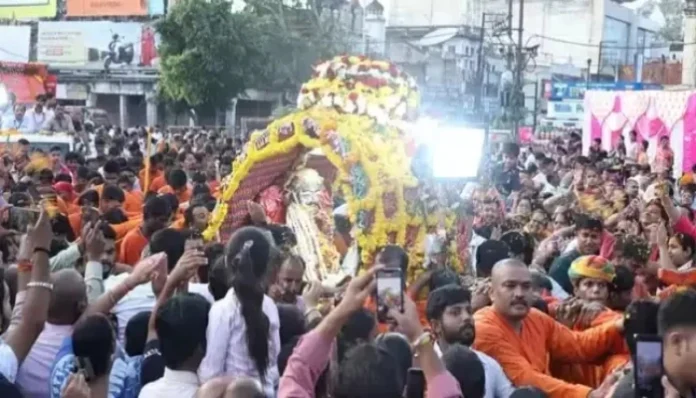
(271, 199)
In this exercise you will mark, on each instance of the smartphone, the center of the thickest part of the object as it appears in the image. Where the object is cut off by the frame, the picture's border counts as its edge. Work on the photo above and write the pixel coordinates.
(415, 383)
(84, 366)
(390, 292)
(648, 369)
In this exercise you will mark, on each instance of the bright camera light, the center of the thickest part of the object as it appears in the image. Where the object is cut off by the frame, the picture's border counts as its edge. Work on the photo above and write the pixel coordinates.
(457, 152)
(4, 98)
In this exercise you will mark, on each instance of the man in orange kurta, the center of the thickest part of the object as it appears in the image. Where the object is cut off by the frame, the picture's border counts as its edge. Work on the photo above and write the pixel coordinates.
(156, 216)
(177, 183)
(522, 339)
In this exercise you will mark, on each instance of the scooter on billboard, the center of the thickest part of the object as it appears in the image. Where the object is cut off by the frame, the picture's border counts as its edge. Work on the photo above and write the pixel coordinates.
(119, 52)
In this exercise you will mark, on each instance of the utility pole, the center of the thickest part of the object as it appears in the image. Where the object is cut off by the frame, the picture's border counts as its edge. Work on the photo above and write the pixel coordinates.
(517, 94)
(479, 70)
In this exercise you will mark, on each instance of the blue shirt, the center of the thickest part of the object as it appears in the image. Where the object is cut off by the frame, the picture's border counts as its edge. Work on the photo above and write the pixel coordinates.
(124, 379)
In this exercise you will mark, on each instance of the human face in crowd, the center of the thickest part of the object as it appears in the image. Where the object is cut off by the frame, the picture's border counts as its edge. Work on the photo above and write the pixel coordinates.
(511, 292)
(489, 213)
(537, 224)
(19, 111)
(200, 217)
(456, 325)
(108, 257)
(591, 289)
(110, 178)
(679, 356)
(560, 221)
(677, 253)
(290, 280)
(55, 157)
(125, 186)
(686, 197)
(589, 241)
(190, 163)
(524, 207)
(632, 189)
(628, 227)
(509, 161)
(651, 216)
(592, 179)
(664, 142)
(610, 188)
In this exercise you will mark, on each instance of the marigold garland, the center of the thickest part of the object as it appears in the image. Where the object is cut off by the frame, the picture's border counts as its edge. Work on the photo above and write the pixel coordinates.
(354, 109)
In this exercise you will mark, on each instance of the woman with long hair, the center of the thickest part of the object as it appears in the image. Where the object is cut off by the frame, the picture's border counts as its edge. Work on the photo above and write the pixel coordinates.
(243, 328)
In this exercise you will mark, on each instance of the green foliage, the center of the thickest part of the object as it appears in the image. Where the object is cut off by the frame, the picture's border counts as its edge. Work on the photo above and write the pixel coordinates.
(208, 54)
(673, 11)
(297, 35)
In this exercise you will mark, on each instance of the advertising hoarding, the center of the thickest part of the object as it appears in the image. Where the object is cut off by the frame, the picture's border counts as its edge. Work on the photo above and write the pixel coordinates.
(97, 44)
(106, 8)
(27, 9)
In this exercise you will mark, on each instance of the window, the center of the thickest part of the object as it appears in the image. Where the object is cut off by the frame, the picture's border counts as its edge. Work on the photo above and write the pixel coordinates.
(614, 42)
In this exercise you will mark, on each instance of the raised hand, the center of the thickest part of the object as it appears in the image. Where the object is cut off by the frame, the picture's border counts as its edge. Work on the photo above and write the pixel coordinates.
(187, 266)
(148, 269)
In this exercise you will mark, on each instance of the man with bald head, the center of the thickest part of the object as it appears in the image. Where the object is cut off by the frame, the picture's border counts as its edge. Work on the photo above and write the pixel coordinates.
(68, 302)
(521, 338)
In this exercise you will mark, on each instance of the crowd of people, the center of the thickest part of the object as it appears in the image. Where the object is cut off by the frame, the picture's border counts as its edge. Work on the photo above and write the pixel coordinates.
(108, 289)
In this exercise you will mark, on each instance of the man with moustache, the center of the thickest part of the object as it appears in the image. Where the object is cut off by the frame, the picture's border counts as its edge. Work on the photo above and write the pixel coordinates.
(523, 340)
(450, 317)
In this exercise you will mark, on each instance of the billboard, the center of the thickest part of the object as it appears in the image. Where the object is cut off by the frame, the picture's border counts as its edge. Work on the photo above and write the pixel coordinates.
(27, 9)
(14, 43)
(113, 8)
(97, 44)
(576, 90)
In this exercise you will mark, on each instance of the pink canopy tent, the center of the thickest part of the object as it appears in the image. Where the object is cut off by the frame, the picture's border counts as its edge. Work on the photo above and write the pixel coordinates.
(652, 114)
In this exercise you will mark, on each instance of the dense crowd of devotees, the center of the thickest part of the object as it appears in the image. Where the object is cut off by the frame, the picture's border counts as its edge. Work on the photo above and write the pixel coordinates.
(108, 290)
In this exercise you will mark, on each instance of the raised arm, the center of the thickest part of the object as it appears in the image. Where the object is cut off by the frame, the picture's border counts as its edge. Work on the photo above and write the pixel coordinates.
(38, 295)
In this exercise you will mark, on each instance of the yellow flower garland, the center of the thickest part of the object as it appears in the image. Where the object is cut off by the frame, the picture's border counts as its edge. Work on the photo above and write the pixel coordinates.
(354, 112)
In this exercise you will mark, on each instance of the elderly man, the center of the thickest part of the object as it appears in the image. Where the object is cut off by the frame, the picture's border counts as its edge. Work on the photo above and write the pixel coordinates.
(60, 122)
(522, 339)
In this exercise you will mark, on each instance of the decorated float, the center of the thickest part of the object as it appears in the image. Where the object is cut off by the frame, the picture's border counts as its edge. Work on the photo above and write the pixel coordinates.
(346, 140)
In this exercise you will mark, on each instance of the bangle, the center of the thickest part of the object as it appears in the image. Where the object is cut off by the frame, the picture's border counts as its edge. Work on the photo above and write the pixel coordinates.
(24, 266)
(45, 285)
(42, 250)
(423, 340)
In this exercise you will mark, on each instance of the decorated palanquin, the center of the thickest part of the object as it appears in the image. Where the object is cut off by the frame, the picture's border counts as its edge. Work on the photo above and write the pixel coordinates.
(345, 139)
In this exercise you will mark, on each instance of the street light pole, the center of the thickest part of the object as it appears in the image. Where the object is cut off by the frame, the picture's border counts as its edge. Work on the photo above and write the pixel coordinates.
(519, 69)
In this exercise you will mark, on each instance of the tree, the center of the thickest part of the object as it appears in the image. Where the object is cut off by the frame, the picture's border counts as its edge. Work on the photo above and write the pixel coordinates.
(209, 55)
(673, 11)
(298, 34)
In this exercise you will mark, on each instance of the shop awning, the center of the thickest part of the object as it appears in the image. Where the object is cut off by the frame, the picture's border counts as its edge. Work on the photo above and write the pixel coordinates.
(25, 86)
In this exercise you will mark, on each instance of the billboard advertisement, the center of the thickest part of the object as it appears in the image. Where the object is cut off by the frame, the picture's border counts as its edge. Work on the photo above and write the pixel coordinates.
(97, 44)
(27, 9)
(576, 90)
(113, 8)
(14, 43)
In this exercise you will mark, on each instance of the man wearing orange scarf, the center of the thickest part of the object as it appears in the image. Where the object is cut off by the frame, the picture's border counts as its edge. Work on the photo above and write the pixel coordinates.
(522, 339)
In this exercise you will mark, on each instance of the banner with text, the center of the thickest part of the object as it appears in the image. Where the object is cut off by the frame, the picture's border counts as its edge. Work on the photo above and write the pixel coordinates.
(97, 45)
(106, 8)
(14, 43)
(27, 9)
